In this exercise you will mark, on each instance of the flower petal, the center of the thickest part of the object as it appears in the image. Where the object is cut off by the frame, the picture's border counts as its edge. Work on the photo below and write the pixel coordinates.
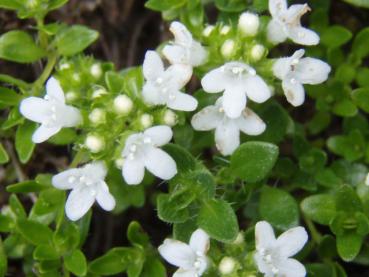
(257, 90)
(179, 75)
(214, 81)
(66, 179)
(104, 198)
(294, 91)
(185, 273)
(250, 123)
(70, 117)
(133, 171)
(160, 164)
(312, 71)
(291, 268)
(160, 135)
(292, 241)
(152, 95)
(35, 109)
(175, 54)
(43, 133)
(198, 54)
(199, 241)
(182, 102)
(177, 253)
(277, 6)
(54, 90)
(264, 235)
(275, 32)
(227, 137)
(303, 36)
(282, 67)
(95, 170)
(207, 119)
(234, 101)
(153, 66)
(181, 35)
(78, 203)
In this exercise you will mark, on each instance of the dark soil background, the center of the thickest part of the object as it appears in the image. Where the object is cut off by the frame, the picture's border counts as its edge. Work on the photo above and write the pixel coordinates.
(126, 30)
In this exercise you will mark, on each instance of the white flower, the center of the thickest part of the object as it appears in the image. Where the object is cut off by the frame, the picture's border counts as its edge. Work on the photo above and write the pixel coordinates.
(123, 105)
(184, 50)
(141, 151)
(87, 185)
(227, 130)
(237, 80)
(286, 23)
(273, 255)
(162, 87)
(295, 71)
(190, 258)
(248, 24)
(51, 111)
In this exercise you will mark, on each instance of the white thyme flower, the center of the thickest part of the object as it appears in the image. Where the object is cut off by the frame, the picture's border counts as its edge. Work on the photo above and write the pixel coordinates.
(286, 23)
(273, 255)
(227, 130)
(248, 24)
(237, 80)
(87, 185)
(190, 258)
(295, 71)
(163, 87)
(51, 111)
(141, 151)
(184, 50)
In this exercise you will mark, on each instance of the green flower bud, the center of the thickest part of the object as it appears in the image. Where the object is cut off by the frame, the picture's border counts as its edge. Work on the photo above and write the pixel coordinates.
(228, 48)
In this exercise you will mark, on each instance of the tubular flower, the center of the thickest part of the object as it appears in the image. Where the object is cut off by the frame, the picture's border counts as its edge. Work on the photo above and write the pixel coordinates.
(237, 80)
(286, 23)
(51, 111)
(227, 130)
(295, 71)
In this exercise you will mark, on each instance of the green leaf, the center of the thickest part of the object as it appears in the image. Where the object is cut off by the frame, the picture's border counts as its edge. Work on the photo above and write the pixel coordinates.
(25, 187)
(164, 5)
(66, 237)
(153, 268)
(168, 211)
(16, 206)
(64, 137)
(231, 6)
(352, 147)
(335, 36)
(9, 97)
(74, 40)
(3, 260)
(45, 252)
(321, 208)
(347, 200)
(36, 233)
(136, 235)
(4, 158)
(76, 263)
(19, 46)
(361, 98)
(6, 223)
(23, 141)
(133, 81)
(349, 245)
(345, 108)
(253, 160)
(113, 262)
(55, 4)
(359, 3)
(313, 160)
(217, 218)
(360, 46)
(184, 160)
(10, 4)
(114, 81)
(279, 208)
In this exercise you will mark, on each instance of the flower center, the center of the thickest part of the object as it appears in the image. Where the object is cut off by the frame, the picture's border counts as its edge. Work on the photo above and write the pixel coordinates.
(135, 147)
(270, 258)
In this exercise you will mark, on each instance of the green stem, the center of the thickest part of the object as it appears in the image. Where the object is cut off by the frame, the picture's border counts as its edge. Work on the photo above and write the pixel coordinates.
(65, 272)
(17, 82)
(77, 159)
(316, 236)
(46, 73)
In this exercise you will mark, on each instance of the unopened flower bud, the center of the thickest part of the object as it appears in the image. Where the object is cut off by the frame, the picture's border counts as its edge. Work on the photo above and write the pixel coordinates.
(248, 24)
(146, 120)
(367, 180)
(257, 52)
(228, 48)
(76, 77)
(169, 118)
(119, 163)
(96, 70)
(70, 96)
(225, 30)
(207, 31)
(99, 92)
(94, 143)
(239, 239)
(123, 104)
(97, 116)
(227, 265)
(64, 66)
